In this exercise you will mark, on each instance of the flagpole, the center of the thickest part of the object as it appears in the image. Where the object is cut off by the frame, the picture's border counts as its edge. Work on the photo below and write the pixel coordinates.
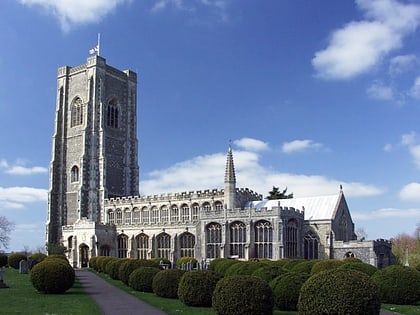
(99, 42)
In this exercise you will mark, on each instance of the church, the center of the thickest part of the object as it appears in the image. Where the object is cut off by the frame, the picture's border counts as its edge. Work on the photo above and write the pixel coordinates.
(94, 206)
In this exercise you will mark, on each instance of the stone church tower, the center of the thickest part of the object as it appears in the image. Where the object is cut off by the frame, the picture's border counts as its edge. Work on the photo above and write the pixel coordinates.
(94, 151)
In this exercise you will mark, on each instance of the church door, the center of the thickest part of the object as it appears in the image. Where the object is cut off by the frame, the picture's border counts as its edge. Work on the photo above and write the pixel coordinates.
(84, 255)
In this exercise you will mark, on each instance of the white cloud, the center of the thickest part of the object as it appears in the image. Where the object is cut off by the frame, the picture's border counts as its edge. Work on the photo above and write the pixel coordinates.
(387, 213)
(251, 144)
(76, 12)
(401, 64)
(20, 169)
(380, 91)
(388, 147)
(300, 146)
(207, 172)
(415, 89)
(359, 46)
(410, 192)
(409, 140)
(17, 197)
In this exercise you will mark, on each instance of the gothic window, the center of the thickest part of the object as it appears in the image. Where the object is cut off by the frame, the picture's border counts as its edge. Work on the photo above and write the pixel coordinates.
(155, 215)
(342, 233)
(104, 250)
(111, 218)
(112, 114)
(310, 246)
(74, 174)
(122, 246)
(207, 207)
(163, 245)
(263, 240)
(136, 216)
(237, 239)
(174, 214)
(218, 206)
(76, 117)
(142, 245)
(127, 216)
(144, 215)
(118, 216)
(70, 242)
(185, 213)
(164, 214)
(186, 244)
(195, 210)
(213, 240)
(291, 242)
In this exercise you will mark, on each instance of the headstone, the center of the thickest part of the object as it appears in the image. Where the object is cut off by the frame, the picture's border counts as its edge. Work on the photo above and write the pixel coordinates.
(23, 267)
(2, 284)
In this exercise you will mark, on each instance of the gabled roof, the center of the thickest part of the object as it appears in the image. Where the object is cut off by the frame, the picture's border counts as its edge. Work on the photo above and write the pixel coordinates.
(316, 208)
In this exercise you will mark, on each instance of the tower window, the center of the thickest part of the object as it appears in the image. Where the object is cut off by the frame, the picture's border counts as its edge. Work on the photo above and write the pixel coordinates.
(76, 112)
(74, 174)
(112, 114)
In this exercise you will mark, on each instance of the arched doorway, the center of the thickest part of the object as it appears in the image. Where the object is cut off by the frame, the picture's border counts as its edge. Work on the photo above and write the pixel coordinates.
(83, 255)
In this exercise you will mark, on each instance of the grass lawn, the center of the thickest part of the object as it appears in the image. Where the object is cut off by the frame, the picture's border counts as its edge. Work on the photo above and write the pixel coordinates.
(22, 298)
(403, 309)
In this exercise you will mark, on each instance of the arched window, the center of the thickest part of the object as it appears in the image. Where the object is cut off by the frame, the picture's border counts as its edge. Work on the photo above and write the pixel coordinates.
(70, 242)
(76, 112)
(74, 174)
(112, 114)
(218, 206)
(213, 240)
(291, 243)
(127, 216)
(342, 233)
(144, 215)
(111, 218)
(118, 216)
(142, 246)
(195, 211)
(207, 206)
(122, 246)
(163, 245)
(263, 239)
(185, 213)
(237, 239)
(164, 216)
(155, 215)
(136, 216)
(186, 244)
(310, 245)
(104, 250)
(174, 213)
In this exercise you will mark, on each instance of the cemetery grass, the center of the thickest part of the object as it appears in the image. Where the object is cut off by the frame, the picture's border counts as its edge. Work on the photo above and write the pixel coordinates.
(22, 298)
(403, 309)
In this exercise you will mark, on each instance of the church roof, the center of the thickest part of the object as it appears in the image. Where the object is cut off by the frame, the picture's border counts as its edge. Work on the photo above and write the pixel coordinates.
(315, 208)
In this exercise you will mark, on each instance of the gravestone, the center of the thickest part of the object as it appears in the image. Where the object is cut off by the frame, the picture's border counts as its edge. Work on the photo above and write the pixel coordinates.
(23, 267)
(2, 284)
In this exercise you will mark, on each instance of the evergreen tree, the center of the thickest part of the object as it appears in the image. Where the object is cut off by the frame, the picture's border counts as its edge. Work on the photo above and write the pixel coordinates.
(277, 194)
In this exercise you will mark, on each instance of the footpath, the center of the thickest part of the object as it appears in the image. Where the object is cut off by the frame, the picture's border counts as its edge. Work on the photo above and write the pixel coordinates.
(114, 301)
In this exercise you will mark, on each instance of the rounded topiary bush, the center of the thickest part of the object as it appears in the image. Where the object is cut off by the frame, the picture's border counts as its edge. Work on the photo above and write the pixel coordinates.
(243, 268)
(268, 272)
(165, 283)
(129, 265)
(159, 261)
(291, 263)
(185, 262)
(113, 267)
(36, 258)
(196, 287)
(360, 266)
(109, 263)
(286, 289)
(215, 262)
(326, 264)
(93, 262)
(304, 266)
(103, 262)
(224, 265)
(398, 284)
(339, 291)
(3, 260)
(141, 279)
(242, 295)
(52, 276)
(14, 259)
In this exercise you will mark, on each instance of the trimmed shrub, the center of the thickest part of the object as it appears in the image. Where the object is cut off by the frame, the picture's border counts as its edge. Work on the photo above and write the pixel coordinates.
(242, 295)
(158, 261)
(113, 267)
(52, 276)
(365, 268)
(58, 256)
(224, 265)
(304, 266)
(339, 291)
(129, 265)
(93, 262)
(243, 268)
(165, 283)
(352, 260)
(268, 272)
(398, 284)
(196, 287)
(36, 258)
(286, 289)
(3, 260)
(215, 262)
(109, 262)
(103, 262)
(186, 260)
(14, 259)
(141, 279)
(326, 264)
(291, 263)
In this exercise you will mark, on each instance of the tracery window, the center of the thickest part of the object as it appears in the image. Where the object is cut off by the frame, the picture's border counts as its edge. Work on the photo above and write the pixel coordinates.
(136, 216)
(112, 114)
(218, 206)
(291, 242)
(118, 216)
(142, 246)
(111, 217)
(74, 174)
(237, 239)
(207, 206)
(186, 244)
(163, 245)
(310, 246)
(195, 211)
(213, 240)
(122, 246)
(127, 216)
(185, 213)
(144, 215)
(155, 215)
(174, 213)
(263, 240)
(76, 117)
(164, 216)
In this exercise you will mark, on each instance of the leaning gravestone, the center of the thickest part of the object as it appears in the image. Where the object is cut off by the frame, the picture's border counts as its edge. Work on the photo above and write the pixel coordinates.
(23, 266)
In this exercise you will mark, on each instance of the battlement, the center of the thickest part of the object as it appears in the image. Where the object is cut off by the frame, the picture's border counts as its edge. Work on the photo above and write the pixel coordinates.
(248, 194)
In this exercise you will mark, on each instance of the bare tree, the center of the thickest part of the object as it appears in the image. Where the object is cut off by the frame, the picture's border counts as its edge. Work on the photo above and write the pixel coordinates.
(361, 234)
(6, 227)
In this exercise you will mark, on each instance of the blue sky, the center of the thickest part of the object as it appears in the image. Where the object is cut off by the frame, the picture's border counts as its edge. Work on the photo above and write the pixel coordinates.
(312, 94)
